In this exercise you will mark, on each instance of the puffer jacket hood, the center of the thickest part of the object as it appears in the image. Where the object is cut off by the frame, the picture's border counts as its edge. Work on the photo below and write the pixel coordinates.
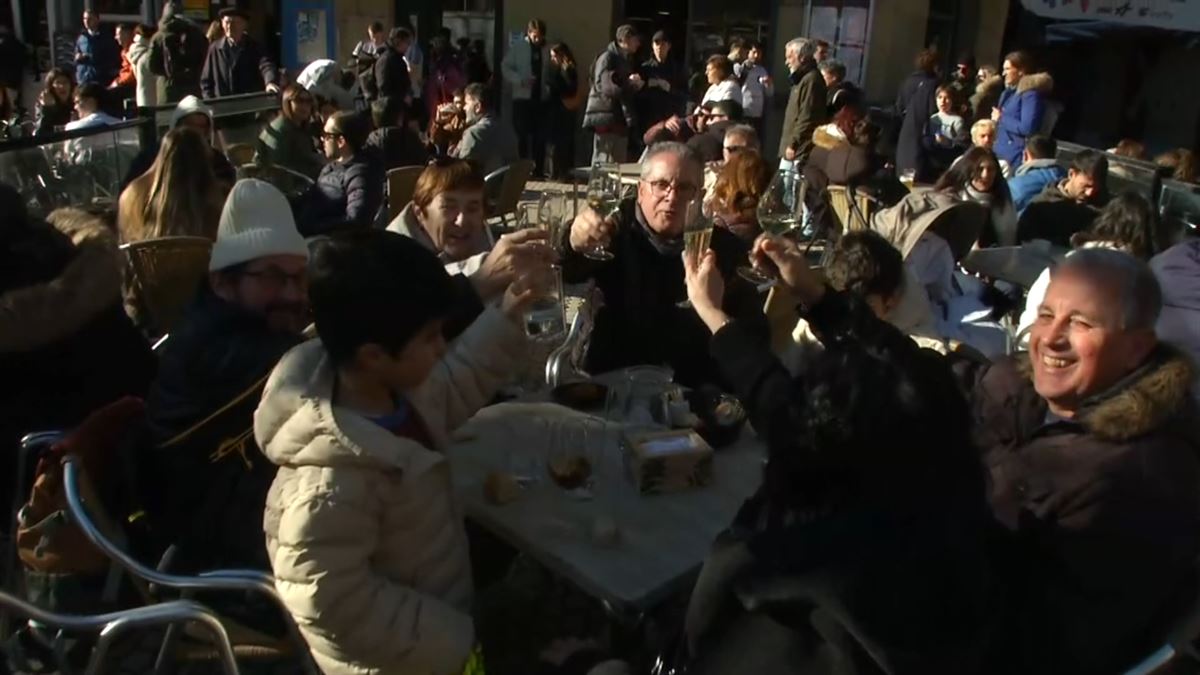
(1178, 270)
(88, 285)
(992, 86)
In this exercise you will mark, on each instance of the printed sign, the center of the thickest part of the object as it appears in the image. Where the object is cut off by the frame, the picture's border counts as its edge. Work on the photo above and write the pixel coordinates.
(1173, 14)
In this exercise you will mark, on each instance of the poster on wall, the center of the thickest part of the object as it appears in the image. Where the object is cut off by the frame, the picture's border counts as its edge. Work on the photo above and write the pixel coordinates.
(311, 36)
(1173, 14)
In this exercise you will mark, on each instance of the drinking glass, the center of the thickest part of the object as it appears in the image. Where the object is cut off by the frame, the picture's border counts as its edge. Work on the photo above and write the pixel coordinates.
(778, 212)
(545, 214)
(697, 234)
(908, 177)
(545, 320)
(568, 461)
(603, 196)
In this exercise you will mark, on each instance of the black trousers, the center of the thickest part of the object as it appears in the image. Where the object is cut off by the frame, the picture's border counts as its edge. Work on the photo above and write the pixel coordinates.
(562, 125)
(529, 118)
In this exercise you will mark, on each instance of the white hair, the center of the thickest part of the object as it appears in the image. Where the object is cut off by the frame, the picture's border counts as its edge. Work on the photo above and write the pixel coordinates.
(1140, 293)
(804, 47)
(685, 154)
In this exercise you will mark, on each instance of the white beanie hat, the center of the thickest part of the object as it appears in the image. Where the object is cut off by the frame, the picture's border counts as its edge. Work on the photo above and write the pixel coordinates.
(191, 105)
(256, 222)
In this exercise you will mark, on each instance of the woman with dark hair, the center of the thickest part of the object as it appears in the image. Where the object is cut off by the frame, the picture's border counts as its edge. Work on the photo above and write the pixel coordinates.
(851, 551)
(977, 177)
(288, 140)
(1022, 106)
(916, 103)
(563, 82)
(1127, 223)
(56, 102)
(1181, 162)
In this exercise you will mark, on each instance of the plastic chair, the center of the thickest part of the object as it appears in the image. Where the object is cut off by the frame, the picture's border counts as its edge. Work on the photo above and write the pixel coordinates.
(240, 153)
(79, 495)
(114, 624)
(502, 189)
(166, 273)
(853, 215)
(401, 183)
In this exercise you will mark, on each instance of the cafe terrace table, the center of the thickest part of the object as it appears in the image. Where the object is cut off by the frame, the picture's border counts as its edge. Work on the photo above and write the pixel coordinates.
(662, 539)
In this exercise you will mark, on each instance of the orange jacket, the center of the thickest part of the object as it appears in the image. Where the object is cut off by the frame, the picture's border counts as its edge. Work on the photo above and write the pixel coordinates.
(125, 78)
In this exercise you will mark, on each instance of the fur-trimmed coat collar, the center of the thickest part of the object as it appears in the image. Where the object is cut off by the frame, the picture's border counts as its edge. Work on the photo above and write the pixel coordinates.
(1144, 402)
(87, 285)
(829, 137)
(1040, 82)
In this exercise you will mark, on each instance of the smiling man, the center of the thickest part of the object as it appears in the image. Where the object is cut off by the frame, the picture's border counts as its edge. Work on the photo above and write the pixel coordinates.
(1091, 441)
(641, 322)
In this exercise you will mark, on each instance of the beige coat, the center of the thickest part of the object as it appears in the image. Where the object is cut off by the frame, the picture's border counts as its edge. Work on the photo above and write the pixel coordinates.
(365, 537)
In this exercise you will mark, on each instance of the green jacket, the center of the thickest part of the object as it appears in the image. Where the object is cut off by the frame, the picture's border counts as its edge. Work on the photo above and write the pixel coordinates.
(282, 143)
(805, 112)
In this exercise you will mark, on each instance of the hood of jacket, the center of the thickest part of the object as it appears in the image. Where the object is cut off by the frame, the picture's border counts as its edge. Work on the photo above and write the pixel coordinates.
(87, 285)
(1178, 272)
(1040, 82)
(1035, 164)
(905, 223)
(990, 86)
(829, 137)
(139, 48)
(297, 423)
(1143, 402)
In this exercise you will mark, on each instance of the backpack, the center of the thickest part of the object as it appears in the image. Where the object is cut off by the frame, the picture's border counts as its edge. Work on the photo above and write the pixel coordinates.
(184, 52)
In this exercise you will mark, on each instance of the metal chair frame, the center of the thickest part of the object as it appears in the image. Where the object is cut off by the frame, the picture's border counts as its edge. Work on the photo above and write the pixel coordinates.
(114, 624)
(503, 188)
(247, 581)
(401, 182)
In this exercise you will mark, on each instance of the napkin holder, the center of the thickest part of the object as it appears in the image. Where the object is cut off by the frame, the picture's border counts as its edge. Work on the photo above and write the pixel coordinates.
(659, 462)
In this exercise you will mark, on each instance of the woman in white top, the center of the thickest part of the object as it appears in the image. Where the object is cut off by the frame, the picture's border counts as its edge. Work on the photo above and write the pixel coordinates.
(723, 86)
(1126, 224)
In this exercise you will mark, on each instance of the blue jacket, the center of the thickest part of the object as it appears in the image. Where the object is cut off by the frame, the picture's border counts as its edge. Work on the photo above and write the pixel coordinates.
(1021, 112)
(101, 58)
(1031, 179)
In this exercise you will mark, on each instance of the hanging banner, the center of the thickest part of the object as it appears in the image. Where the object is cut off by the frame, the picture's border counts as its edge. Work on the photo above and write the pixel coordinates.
(1173, 14)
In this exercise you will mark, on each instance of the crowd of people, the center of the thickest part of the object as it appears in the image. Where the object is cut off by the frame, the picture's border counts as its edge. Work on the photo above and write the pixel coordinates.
(932, 501)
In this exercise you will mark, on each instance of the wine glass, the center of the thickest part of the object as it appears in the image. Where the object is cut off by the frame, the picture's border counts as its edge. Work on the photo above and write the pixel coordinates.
(778, 213)
(697, 234)
(603, 197)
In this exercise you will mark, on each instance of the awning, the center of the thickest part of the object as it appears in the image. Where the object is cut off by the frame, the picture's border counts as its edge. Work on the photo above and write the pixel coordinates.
(1170, 14)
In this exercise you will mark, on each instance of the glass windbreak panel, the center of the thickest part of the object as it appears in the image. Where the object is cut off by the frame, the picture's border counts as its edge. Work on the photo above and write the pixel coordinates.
(1179, 203)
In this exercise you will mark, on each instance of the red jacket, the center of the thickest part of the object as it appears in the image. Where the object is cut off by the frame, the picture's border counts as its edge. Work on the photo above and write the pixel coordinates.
(125, 78)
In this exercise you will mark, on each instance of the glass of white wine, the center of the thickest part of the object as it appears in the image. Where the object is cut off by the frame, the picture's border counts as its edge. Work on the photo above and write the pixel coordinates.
(779, 212)
(603, 197)
(697, 235)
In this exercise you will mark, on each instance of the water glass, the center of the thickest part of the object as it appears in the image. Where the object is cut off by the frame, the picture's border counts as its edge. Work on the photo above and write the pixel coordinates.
(545, 320)
(603, 197)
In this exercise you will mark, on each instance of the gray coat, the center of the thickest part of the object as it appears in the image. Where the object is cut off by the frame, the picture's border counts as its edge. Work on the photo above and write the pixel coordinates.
(489, 143)
(610, 99)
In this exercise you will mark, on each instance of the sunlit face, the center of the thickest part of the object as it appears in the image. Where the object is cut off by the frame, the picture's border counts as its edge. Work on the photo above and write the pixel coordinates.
(737, 54)
(964, 72)
(985, 176)
(473, 108)
(1012, 74)
(234, 27)
(792, 57)
(735, 144)
(460, 101)
(83, 106)
(274, 288)
(123, 36)
(665, 192)
(1077, 345)
(822, 54)
(332, 139)
(91, 21)
(1080, 186)
(661, 49)
(302, 107)
(830, 77)
(376, 37)
(710, 72)
(944, 102)
(984, 137)
(536, 37)
(755, 55)
(454, 221)
(61, 86)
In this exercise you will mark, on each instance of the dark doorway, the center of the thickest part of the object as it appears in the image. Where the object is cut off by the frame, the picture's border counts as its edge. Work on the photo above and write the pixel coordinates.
(650, 16)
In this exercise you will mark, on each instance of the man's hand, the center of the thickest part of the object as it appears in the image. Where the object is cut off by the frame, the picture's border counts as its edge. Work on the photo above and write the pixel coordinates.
(705, 289)
(590, 231)
(794, 271)
(674, 124)
(273, 88)
(513, 255)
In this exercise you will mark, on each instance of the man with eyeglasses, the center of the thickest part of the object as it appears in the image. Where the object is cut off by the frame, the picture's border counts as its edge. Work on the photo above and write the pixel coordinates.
(641, 321)
(210, 477)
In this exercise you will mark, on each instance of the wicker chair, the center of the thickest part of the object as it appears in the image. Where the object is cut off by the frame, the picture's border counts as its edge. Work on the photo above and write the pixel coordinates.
(503, 188)
(165, 275)
(401, 183)
(240, 153)
(854, 215)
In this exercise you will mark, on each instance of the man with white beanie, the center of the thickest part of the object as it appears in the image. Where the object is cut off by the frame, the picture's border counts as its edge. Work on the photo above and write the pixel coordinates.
(194, 114)
(250, 310)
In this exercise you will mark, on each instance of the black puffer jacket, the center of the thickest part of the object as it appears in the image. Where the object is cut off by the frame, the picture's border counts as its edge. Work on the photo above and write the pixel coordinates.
(610, 100)
(211, 479)
(346, 195)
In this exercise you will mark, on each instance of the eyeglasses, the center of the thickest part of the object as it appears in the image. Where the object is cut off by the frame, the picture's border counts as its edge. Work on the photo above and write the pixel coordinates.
(659, 188)
(329, 135)
(276, 279)
(734, 149)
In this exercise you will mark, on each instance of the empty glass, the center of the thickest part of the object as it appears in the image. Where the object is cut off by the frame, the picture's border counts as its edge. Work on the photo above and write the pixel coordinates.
(545, 320)
(603, 197)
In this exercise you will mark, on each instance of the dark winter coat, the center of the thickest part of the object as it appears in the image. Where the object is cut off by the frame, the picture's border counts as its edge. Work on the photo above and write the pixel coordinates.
(212, 478)
(915, 104)
(284, 143)
(391, 76)
(347, 195)
(1021, 111)
(1102, 511)
(98, 58)
(986, 96)
(397, 146)
(14, 57)
(610, 102)
(885, 573)
(655, 105)
(49, 116)
(841, 95)
(1055, 216)
(178, 53)
(806, 110)
(640, 322)
(242, 69)
(66, 346)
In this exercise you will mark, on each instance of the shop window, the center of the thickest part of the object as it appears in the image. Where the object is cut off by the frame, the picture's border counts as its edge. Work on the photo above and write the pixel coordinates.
(846, 26)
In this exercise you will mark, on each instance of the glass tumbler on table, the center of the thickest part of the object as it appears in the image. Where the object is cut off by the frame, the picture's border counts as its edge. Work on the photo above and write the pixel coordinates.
(544, 319)
(603, 197)
(568, 462)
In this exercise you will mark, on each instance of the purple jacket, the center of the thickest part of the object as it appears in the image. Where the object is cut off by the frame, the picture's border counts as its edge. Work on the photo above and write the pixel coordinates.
(1021, 111)
(1178, 272)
